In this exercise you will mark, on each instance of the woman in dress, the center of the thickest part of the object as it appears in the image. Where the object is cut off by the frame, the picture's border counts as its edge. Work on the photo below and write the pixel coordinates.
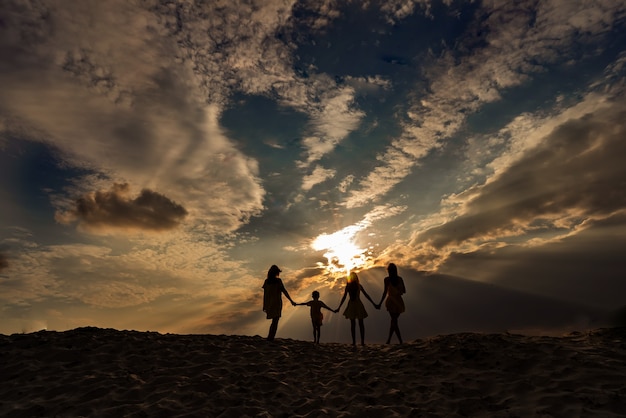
(394, 289)
(273, 289)
(355, 309)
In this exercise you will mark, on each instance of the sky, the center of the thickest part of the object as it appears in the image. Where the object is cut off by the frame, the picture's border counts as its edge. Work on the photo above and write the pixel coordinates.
(158, 156)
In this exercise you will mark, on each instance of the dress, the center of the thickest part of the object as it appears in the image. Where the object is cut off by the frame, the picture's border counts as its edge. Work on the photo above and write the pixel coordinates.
(272, 297)
(355, 308)
(395, 289)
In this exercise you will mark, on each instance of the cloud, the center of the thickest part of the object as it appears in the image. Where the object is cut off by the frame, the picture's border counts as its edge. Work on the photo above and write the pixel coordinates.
(173, 267)
(250, 318)
(517, 41)
(555, 179)
(231, 46)
(107, 86)
(115, 209)
(4, 262)
(316, 15)
(576, 173)
(82, 277)
(396, 10)
(345, 183)
(133, 94)
(319, 175)
(586, 267)
(368, 85)
(147, 112)
(451, 304)
(241, 48)
(333, 116)
(396, 166)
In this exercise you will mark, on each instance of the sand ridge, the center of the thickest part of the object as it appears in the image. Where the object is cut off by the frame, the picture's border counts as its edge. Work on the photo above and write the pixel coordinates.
(108, 373)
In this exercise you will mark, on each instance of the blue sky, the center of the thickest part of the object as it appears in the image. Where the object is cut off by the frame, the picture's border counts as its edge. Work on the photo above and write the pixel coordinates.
(157, 157)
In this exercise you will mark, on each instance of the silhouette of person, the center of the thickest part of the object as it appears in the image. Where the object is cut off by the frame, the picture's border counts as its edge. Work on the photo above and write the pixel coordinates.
(394, 289)
(316, 314)
(273, 289)
(355, 309)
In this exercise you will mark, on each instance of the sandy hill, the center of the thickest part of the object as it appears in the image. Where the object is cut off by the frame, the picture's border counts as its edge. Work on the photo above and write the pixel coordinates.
(107, 373)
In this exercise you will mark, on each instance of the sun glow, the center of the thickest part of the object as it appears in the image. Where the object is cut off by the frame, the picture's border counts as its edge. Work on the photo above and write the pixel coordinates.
(342, 253)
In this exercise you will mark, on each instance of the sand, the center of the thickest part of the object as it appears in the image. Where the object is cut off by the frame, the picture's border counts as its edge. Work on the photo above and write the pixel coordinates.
(107, 373)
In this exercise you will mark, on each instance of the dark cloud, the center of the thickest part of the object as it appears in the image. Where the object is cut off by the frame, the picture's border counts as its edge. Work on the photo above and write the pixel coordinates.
(576, 173)
(4, 263)
(393, 59)
(442, 304)
(22, 28)
(584, 268)
(221, 320)
(150, 211)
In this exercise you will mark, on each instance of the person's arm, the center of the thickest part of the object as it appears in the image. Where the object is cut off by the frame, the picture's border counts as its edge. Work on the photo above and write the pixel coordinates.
(384, 293)
(324, 306)
(264, 297)
(287, 294)
(345, 293)
(367, 296)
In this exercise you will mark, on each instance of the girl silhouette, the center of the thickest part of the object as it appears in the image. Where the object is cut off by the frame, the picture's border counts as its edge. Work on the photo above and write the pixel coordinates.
(394, 289)
(355, 309)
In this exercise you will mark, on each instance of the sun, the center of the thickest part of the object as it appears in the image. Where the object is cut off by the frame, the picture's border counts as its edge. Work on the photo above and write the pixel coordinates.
(342, 253)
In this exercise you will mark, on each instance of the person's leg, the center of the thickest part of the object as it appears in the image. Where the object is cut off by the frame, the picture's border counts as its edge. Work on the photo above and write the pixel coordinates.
(273, 328)
(391, 329)
(362, 330)
(397, 328)
(353, 331)
(318, 330)
(314, 332)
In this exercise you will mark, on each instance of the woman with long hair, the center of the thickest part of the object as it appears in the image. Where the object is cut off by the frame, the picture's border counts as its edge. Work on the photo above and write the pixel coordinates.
(394, 289)
(273, 289)
(355, 309)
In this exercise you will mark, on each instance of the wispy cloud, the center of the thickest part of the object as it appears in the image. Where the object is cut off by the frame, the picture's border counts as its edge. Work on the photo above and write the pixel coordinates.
(99, 276)
(332, 120)
(518, 41)
(319, 175)
(236, 49)
(396, 165)
(566, 177)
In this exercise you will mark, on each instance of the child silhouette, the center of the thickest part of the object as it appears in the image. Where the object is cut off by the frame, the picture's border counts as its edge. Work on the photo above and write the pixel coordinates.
(316, 314)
